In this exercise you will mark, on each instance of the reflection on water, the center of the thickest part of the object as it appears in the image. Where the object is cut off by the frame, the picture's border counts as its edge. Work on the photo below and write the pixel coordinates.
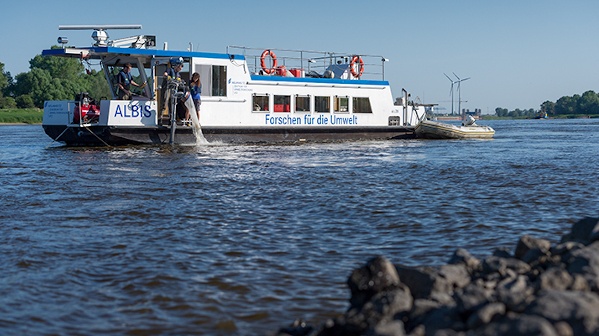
(221, 239)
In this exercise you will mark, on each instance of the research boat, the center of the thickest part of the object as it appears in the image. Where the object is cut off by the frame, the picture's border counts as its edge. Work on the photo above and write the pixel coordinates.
(253, 95)
(429, 129)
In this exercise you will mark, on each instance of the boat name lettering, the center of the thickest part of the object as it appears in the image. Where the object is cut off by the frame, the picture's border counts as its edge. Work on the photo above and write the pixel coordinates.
(136, 111)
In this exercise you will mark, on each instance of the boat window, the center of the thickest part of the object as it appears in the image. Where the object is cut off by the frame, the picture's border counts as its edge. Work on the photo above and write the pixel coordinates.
(362, 105)
(302, 103)
(341, 104)
(219, 81)
(260, 103)
(282, 103)
(322, 104)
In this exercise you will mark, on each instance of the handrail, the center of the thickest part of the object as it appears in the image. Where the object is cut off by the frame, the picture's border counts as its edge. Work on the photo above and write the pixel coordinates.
(312, 60)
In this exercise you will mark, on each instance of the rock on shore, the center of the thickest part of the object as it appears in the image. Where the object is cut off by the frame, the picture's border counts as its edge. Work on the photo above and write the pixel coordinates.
(540, 289)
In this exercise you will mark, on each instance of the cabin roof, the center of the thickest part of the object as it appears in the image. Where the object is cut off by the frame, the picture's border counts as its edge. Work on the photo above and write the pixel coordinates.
(97, 52)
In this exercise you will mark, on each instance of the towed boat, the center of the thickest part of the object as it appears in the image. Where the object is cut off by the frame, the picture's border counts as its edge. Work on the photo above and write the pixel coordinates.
(429, 129)
(248, 96)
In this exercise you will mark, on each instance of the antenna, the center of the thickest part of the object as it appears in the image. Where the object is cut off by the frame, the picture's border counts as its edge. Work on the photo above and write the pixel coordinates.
(98, 27)
(99, 34)
(459, 90)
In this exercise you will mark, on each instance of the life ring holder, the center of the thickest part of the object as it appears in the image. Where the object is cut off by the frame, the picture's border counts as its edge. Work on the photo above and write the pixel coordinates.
(263, 61)
(357, 59)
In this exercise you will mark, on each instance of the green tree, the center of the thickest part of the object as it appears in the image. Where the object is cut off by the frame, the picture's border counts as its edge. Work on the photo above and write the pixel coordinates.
(96, 84)
(3, 79)
(588, 103)
(548, 107)
(24, 101)
(7, 102)
(58, 67)
(566, 105)
(501, 112)
(40, 86)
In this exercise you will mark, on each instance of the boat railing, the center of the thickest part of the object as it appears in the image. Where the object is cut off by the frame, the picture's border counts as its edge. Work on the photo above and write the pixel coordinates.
(307, 63)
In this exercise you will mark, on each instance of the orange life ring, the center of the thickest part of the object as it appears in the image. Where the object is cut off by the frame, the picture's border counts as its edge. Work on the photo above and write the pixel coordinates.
(361, 66)
(263, 62)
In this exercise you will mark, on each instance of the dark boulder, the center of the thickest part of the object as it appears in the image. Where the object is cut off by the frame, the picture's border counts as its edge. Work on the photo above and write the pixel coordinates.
(554, 278)
(579, 309)
(564, 248)
(585, 262)
(446, 317)
(381, 309)
(515, 293)
(423, 281)
(376, 276)
(485, 315)
(520, 325)
(584, 231)
(500, 265)
(472, 298)
(528, 243)
(393, 328)
(297, 328)
(461, 256)
(420, 309)
(502, 252)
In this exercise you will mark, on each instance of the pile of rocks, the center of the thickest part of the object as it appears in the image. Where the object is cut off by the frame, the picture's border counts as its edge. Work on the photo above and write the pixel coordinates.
(539, 290)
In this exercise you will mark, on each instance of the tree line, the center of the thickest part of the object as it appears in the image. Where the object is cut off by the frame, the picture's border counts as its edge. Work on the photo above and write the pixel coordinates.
(585, 104)
(50, 78)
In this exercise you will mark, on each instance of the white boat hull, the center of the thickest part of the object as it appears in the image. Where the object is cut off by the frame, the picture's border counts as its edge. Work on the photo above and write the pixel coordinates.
(435, 130)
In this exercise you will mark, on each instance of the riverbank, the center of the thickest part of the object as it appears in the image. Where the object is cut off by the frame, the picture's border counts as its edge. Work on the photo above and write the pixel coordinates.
(21, 116)
(539, 289)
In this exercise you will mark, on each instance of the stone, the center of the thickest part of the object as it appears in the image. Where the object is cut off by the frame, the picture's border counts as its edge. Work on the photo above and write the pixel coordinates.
(461, 256)
(502, 252)
(563, 248)
(393, 328)
(420, 308)
(585, 262)
(485, 315)
(579, 309)
(376, 276)
(521, 325)
(424, 281)
(500, 265)
(535, 255)
(527, 243)
(448, 332)
(472, 298)
(339, 327)
(418, 331)
(584, 231)
(494, 264)
(563, 329)
(514, 292)
(554, 278)
(381, 308)
(297, 328)
(443, 318)
(579, 283)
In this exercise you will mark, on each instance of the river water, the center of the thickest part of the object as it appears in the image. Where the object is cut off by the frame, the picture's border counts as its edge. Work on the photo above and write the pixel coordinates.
(241, 240)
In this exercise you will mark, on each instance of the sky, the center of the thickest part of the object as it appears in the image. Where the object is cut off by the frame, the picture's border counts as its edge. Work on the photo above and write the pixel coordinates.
(518, 54)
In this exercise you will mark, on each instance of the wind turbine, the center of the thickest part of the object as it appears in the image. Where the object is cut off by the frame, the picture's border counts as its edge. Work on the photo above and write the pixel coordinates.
(459, 91)
(452, 82)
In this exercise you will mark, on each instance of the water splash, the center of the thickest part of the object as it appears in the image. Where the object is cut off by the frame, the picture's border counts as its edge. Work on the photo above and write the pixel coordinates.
(197, 128)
